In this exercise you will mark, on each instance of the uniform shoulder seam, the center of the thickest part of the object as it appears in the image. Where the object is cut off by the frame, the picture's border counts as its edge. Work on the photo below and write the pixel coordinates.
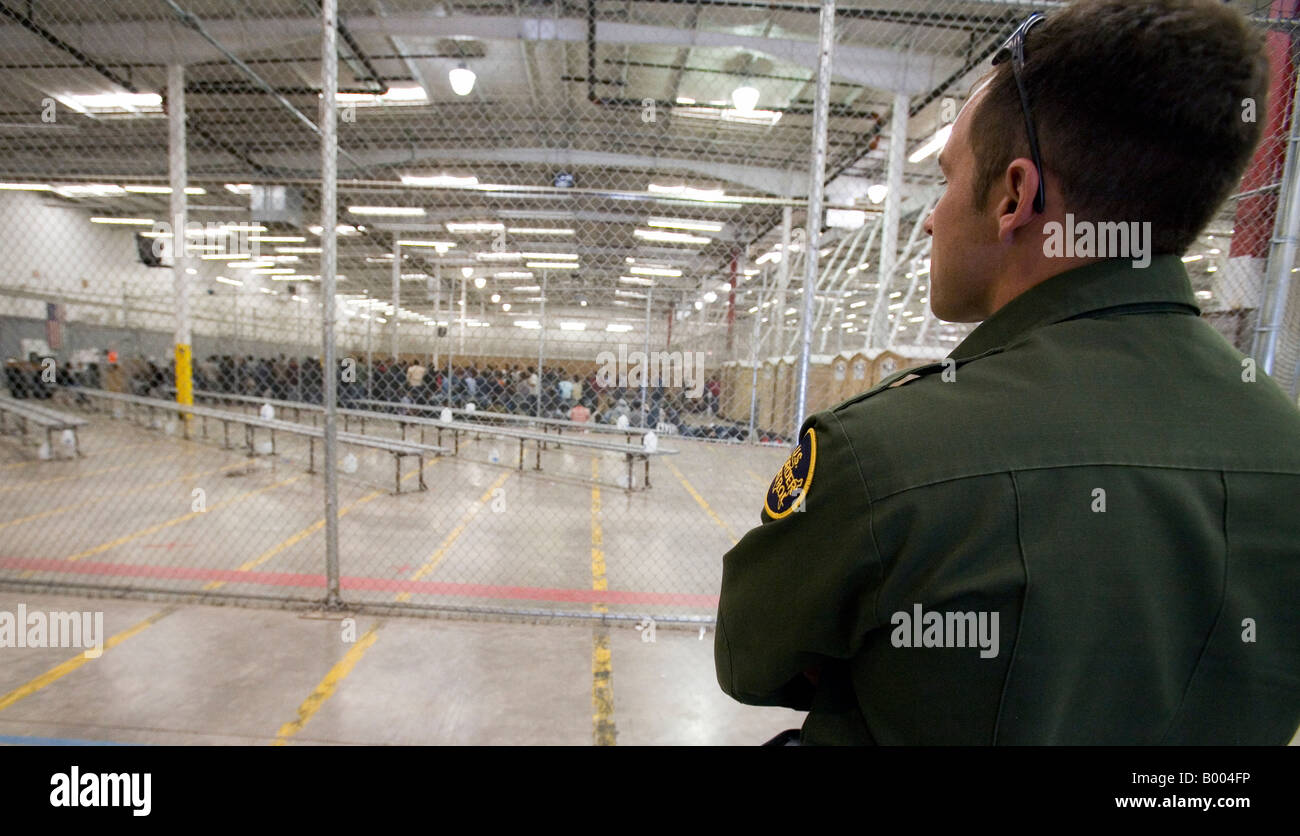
(866, 492)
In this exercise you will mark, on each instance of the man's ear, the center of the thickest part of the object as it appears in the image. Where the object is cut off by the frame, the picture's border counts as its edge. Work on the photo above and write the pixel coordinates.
(1015, 197)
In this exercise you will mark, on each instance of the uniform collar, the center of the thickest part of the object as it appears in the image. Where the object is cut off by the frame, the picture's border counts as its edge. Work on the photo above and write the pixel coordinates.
(1093, 287)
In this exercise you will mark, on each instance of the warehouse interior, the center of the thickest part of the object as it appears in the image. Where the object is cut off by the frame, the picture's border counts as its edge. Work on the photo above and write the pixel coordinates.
(591, 263)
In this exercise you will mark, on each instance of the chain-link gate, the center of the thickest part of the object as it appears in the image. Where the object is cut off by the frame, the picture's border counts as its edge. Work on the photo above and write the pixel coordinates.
(571, 319)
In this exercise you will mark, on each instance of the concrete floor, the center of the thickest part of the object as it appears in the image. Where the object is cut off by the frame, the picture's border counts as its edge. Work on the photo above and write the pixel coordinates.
(485, 535)
(567, 538)
(223, 675)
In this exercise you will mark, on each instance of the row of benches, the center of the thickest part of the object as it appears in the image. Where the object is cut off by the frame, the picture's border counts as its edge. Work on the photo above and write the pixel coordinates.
(29, 414)
(478, 423)
(251, 423)
(397, 447)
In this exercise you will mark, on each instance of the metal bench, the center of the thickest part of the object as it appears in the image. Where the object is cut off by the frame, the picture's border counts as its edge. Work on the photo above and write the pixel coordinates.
(633, 452)
(251, 423)
(50, 420)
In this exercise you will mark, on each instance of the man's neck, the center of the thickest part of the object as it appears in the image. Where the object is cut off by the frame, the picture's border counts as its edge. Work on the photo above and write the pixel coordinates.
(1028, 273)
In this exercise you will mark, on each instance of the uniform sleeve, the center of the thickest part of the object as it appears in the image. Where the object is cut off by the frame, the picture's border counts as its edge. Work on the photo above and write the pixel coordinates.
(800, 588)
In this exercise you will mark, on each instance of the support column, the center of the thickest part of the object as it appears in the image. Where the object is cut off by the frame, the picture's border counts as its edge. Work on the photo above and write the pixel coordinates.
(397, 298)
(183, 350)
(328, 269)
(816, 201)
(878, 324)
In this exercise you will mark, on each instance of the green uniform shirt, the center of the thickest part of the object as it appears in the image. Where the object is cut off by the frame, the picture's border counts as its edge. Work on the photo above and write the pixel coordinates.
(1096, 468)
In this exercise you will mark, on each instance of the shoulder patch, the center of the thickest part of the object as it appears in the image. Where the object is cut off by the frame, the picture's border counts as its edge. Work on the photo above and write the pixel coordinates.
(794, 479)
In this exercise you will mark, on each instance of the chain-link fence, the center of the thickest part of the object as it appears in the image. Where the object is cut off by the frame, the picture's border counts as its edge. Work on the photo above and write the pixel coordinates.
(570, 310)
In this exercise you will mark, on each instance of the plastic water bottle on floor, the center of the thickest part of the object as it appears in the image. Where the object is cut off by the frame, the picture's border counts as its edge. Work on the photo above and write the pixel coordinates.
(69, 439)
(650, 442)
(495, 456)
(445, 415)
(348, 464)
(44, 452)
(263, 447)
(267, 411)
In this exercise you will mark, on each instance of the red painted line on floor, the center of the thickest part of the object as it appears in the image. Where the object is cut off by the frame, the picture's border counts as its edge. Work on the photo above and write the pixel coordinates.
(462, 590)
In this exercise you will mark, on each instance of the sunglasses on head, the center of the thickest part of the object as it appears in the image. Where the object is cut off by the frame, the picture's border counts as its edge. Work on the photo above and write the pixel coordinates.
(1014, 48)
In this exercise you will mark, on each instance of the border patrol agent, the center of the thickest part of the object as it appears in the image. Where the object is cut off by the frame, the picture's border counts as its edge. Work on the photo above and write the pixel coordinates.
(1096, 467)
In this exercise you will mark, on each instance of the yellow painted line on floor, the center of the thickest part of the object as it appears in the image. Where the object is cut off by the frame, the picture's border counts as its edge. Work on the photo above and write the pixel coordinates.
(118, 495)
(327, 686)
(59, 671)
(454, 534)
(603, 731)
(294, 539)
(21, 486)
(702, 503)
(309, 530)
(758, 480)
(144, 532)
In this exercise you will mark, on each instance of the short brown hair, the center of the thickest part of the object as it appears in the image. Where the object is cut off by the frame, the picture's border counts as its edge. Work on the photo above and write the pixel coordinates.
(1138, 108)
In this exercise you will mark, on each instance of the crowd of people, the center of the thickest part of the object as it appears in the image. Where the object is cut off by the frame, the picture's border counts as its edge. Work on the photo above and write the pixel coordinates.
(514, 388)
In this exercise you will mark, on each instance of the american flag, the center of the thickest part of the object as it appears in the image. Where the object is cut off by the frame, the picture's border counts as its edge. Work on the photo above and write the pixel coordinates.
(54, 325)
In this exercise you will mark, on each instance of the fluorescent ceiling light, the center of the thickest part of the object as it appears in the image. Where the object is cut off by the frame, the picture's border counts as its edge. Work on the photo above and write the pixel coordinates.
(532, 288)
(242, 228)
(933, 145)
(439, 180)
(126, 221)
(89, 190)
(513, 274)
(239, 188)
(527, 323)
(303, 250)
(877, 192)
(162, 190)
(395, 95)
(637, 280)
(573, 326)
(278, 239)
(440, 246)
(846, 218)
(688, 192)
(710, 297)
(556, 256)
(24, 187)
(630, 294)
(111, 102)
(393, 211)
(341, 229)
(490, 256)
(474, 226)
(538, 230)
(671, 272)
(683, 223)
(618, 328)
(671, 237)
(235, 282)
